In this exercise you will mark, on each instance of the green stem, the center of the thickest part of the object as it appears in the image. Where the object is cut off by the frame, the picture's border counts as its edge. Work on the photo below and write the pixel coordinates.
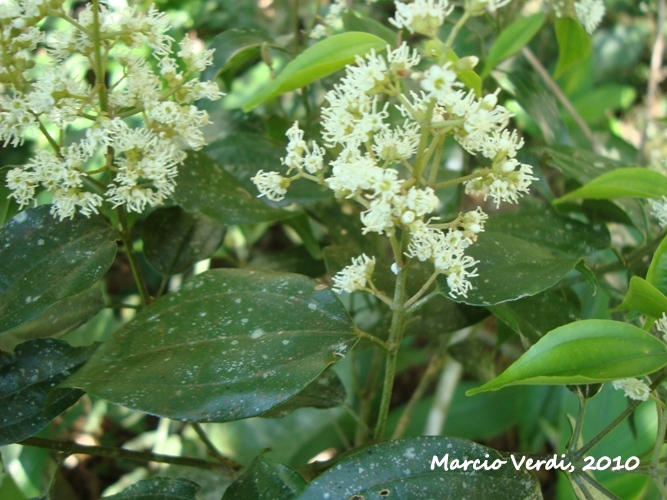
(126, 237)
(372, 339)
(394, 342)
(632, 406)
(578, 427)
(435, 165)
(422, 290)
(421, 302)
(434, 367)
(461, 180)
(449, 43)
(98, 67)
(367, 396)
(213, 451)
(660, 438)
(71, 448)
(423, 140)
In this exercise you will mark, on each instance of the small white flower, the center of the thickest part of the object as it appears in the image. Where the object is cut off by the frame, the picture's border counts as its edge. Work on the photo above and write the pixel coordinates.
(271, 184)
(440, 81)
(355, 276)
(659, 210)
(421, 16)
(634, 388)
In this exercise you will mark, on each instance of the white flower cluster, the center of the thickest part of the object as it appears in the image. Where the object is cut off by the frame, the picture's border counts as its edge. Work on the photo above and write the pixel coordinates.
(661, 326)
(48, 97)
(588, 12)
(633, 388)
(355, 276)
(372, 155)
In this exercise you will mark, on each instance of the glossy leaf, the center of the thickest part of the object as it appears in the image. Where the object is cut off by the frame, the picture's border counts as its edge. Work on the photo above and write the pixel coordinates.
(207, 189)
(356, 21)
(322, 59)
(243, 154)
(326, 391)
(44, 260)
(402, 469)
(539, 103)
(621, 183)
(578, 164)
(230, 344)
(60, 318)
(159, 488)
(533, 317)
(525, 252)
(512, 39)
(233, 48)
(574, 44)
(266, 480)
(175, 239)
(657, 271)
(584, 352)
(27, 380)
(645, 298)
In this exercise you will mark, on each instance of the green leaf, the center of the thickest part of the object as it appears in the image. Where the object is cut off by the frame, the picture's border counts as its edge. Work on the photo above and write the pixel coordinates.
(524, 252)
(512, 39)
(643, 297)
(233, 48)
(356, 21)
(584, 352)
(43, 260)
(578, 164)
(326, 391)
(301, 226)
(207, 189)
(320, 60)
(266, 480)
(595, 104)
(402, 469)
(243, 154)
(657, 271)
(621, 183)
(539, 103)
(468, 77)
(533, 317)
(159, 488)
(574, 44)
(230, 344)
(174, 239)
(57, 320)
(27, 380)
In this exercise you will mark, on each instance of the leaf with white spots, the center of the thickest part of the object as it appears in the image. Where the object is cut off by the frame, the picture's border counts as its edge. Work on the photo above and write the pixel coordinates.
(525, 252)
(43, 260)
(406, 469)
(159, 488)
(231, 344)
(28, 379)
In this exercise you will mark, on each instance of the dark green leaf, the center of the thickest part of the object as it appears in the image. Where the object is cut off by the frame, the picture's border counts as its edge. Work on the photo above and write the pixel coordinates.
(233, 48)
(266, 480)
(243, 154)
(43, 260)
(512, 39)
(27, 380)
(533, 317)
(322, 59)
(539, 103)
(159, 488)
(205, 188)
(525, 252)
(326, 391)
(356, 21)
(584, 352)
(644, 297)
(403, 469)
(622, 183)
(174, 239)
(230, 344)
(57, 320)
(578, 164)
(574, 44)
(657, 271)
(302, 227)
